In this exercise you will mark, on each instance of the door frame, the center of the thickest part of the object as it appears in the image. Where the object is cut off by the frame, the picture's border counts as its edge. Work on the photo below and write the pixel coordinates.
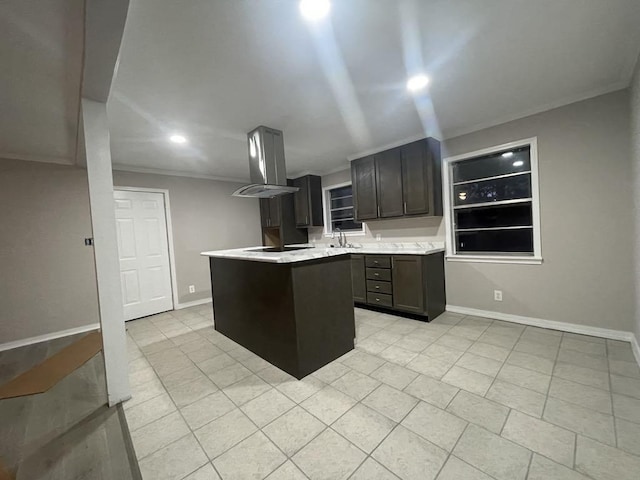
(167, 214)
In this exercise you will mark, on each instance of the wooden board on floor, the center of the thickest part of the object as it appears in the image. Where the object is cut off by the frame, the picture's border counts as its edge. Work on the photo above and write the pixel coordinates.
(45, 375)
(4, 473)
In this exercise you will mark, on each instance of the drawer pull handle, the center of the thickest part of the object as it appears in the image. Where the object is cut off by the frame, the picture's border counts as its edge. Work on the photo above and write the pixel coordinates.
(377, 287)
(376, 274)
(377, 299)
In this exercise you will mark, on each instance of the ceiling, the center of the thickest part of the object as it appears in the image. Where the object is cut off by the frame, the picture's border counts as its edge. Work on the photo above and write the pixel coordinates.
(41, 46)
(214, 69)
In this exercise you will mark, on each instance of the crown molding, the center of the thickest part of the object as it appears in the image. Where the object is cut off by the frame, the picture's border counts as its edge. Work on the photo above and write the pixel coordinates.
(614, 87)
(175, 173)
(382, 148)
(37, 158)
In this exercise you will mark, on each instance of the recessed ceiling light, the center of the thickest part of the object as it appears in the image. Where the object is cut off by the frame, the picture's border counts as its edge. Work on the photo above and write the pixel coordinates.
(507, 155)
(315, 9)
(177, 138)
(417, 83)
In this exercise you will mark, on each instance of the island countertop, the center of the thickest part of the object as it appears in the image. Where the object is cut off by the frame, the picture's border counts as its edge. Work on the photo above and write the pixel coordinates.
(319, 252)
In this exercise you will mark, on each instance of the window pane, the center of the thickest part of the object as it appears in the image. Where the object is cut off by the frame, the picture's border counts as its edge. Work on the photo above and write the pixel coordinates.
(495, 190)
(500, 163)
(342, 202)
(498, 216)
(345, 225)
(340, 214)
(341, 192)
(496, 241)
(341, 209)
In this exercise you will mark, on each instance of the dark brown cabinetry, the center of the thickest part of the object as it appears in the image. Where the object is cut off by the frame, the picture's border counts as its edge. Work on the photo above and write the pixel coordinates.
(408, 286)
(405, 283)
(277, 217)
(401, 181)
(363, 180)
(358, 280)
(308, 201)
(389, 183)
(421, 178)
(271, 211)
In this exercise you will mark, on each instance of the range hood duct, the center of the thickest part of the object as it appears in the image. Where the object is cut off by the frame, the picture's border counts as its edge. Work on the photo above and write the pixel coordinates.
(267, 169)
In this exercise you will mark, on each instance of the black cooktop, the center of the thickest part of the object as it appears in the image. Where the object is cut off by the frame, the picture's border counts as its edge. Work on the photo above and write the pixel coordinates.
(279, 249)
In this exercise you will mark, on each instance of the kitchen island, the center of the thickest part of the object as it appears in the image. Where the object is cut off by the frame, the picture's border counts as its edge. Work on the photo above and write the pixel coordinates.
(292, 308)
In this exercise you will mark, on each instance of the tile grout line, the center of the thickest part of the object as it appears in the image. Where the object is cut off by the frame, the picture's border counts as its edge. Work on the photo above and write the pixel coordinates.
(447, 331)
(503, 364)
(615, 426)
(191, 431)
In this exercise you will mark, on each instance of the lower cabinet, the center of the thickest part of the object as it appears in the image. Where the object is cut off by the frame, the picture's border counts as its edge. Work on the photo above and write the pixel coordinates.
(404, 283)
(408, 285)
(358, 279)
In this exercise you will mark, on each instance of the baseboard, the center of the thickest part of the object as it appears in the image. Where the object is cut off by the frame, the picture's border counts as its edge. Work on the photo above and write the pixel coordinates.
(195, 303)
(635, 347)
(553, 325)
(48, 336)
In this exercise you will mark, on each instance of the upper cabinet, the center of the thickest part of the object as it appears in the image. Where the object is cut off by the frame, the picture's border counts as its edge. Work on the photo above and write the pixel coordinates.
(277, 217)
(402, 181)
(308, 201)
(271, 212)
(389, 183)
(421, 178)
(363, 181)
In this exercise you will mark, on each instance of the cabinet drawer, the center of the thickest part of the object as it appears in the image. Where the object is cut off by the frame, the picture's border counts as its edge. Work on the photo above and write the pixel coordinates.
(379, 299)
(375, 286)
(379, 274)
(378, 261)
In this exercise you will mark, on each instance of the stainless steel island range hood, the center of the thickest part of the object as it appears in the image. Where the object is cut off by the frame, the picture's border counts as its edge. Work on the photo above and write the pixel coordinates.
(267, 169)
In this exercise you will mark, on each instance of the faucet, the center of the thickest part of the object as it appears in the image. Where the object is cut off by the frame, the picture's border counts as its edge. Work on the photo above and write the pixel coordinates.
(342, 238)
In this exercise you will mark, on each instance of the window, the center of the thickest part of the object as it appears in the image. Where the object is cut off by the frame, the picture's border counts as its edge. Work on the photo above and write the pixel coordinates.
(338, 208)
(492, 204)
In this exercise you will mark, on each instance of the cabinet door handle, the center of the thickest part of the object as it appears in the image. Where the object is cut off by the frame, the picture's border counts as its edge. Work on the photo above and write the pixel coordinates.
(405, 207)
(306, 220)
(378, 210)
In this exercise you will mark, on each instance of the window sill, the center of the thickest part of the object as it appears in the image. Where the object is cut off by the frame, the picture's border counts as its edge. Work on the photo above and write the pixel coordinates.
(494, 259)
(347, 234)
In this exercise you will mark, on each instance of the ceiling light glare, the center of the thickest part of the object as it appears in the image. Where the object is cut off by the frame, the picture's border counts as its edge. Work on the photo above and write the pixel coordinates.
(417, 83)
(177, 138)
(518, 163)
(507, 155)
(314, 10)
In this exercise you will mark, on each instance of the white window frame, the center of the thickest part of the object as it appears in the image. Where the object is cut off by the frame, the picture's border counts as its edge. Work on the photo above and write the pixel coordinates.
(451, 254)
(326, 204)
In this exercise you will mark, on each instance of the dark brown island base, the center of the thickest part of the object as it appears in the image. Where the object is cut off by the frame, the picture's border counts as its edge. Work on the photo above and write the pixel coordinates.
(296, 314)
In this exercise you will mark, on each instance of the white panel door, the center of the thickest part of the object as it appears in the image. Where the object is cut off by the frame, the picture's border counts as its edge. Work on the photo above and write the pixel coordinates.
(144, 253)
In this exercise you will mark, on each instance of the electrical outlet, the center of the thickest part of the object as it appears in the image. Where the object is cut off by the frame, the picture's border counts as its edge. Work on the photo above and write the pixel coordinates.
(497, 295)
(192, 289)
(378, 237)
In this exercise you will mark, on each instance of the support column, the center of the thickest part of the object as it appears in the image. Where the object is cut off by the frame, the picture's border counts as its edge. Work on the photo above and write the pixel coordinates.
(103, 220)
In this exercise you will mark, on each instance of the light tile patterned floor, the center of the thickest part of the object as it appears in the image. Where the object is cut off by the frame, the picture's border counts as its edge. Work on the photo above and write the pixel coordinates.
(458, 398)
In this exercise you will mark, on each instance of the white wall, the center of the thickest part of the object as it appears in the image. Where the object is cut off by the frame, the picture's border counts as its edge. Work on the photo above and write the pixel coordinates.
(47, 274)
(205, 217)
